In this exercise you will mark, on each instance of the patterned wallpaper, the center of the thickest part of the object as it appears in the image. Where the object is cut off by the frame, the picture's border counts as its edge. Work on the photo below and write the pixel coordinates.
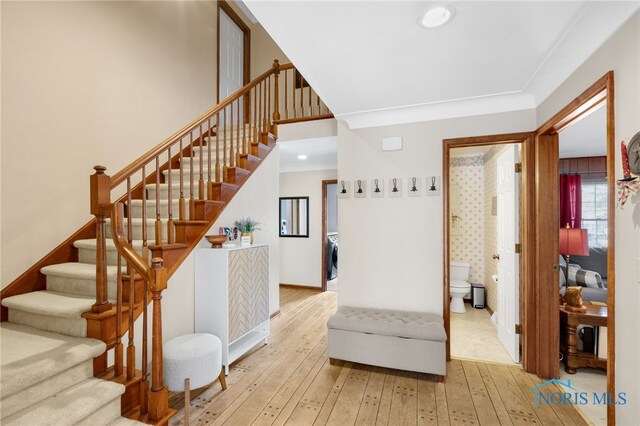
(468, 243)
(476, 241)
(490, 228)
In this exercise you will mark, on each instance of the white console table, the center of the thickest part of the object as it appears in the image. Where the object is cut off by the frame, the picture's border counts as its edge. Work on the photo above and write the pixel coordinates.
(232, 297)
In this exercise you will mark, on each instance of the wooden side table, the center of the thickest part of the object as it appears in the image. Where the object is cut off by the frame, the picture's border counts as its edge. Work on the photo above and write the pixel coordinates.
(596, 316)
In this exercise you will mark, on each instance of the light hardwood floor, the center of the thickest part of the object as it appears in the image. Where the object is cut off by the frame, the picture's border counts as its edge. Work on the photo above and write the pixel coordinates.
(289, 381)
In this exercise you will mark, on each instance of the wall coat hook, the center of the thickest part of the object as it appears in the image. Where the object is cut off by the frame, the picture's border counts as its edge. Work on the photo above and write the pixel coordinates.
(344, 189)
(360, 187)
(395, 187)
(434, 188)
(377, 188)
(415, 184)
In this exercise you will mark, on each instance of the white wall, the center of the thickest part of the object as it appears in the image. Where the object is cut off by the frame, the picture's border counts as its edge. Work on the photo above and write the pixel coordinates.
(88, 83)
(76, 77)
(621, 53)
(391, 248)
(300, 257)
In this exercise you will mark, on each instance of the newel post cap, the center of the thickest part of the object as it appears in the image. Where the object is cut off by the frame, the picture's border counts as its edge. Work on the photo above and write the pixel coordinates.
(100, 186)
(159, 275)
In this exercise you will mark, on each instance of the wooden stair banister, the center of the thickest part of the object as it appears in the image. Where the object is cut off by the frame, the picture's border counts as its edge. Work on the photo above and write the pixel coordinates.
(156, 404)
(199, 168)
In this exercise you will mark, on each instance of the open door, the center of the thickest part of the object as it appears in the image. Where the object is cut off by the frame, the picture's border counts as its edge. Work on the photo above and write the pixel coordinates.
(509, 262)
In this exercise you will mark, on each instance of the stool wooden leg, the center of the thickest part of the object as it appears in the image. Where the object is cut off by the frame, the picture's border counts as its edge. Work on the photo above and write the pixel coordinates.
(223, 379)
(187, 402)
(332, 361)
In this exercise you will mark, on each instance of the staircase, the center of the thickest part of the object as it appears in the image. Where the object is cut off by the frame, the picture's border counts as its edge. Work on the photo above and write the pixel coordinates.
(65, 315)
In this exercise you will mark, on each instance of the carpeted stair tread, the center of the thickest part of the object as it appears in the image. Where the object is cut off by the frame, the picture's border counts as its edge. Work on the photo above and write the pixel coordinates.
(87, 251)
(90, 244)
(70, 406)
(50, 303)
(29, 355)
(78, 270)
(79, 278)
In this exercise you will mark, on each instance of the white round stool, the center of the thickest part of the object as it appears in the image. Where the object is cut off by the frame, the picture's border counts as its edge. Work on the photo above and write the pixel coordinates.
(192, 361)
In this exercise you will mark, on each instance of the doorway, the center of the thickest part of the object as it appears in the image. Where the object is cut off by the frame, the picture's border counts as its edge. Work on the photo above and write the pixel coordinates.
(329, 236)
(599, 95)
(233, 52)
(486, 201)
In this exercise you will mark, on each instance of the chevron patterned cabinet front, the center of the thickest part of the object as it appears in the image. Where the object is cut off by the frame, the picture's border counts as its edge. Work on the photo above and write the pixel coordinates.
(248, 290)
(232, 297)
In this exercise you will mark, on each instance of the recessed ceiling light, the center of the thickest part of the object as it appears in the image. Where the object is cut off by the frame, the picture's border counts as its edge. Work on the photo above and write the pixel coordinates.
(437, 16)
(302, 157)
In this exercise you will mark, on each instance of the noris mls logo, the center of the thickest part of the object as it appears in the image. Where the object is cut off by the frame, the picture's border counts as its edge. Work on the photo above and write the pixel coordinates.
(571, 396)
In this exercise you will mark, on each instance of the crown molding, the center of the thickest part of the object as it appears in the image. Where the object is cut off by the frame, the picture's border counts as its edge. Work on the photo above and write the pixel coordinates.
(598, 22)
(439, 110)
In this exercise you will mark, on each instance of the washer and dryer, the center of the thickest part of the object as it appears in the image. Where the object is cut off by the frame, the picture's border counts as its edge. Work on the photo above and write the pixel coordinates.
(332, 256)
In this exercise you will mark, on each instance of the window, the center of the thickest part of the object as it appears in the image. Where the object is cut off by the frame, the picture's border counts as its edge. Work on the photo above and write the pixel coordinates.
(594, 212)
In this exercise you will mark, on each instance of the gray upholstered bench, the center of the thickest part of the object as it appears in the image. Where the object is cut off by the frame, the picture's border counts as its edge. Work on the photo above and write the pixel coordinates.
(410, 341)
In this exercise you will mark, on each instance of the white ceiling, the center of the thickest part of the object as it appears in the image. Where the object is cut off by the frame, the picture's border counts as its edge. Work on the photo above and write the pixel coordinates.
(322, 154)
(587, 137)
(373, 65)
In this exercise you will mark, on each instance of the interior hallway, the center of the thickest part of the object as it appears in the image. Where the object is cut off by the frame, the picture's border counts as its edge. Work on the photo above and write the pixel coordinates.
(290, 381)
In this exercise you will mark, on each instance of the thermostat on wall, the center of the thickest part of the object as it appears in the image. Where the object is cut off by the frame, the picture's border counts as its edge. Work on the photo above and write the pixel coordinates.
(392, 144)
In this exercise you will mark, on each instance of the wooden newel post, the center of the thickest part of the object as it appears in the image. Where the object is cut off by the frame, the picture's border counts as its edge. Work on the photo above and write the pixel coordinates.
(276, 98)
(100, 185)
(159, 395)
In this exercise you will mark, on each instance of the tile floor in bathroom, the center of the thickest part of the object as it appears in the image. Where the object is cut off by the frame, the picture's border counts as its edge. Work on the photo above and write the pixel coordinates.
(474, 336)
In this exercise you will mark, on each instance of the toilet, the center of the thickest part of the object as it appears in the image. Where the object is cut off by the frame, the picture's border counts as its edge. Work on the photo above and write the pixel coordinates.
(458, 285)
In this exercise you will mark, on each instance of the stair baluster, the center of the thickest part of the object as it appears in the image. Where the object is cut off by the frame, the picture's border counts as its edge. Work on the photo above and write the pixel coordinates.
(158, 229)
(192, 202)
(231, 144)
(118, 348)
(224, 144)
(276, 98)
(209, 139)
(170, 230)
(238, 140)
(201, 179)
(145, 245)
(181, 205)
(144, 384)
(218, 167)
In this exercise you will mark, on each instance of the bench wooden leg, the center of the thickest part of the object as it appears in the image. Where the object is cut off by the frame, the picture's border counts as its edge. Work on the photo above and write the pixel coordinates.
(440, 378)
(332, 361)
(223, 379)
(187, 401)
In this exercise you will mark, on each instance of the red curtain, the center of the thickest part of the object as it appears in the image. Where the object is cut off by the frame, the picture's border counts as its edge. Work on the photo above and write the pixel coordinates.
(571, 201)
